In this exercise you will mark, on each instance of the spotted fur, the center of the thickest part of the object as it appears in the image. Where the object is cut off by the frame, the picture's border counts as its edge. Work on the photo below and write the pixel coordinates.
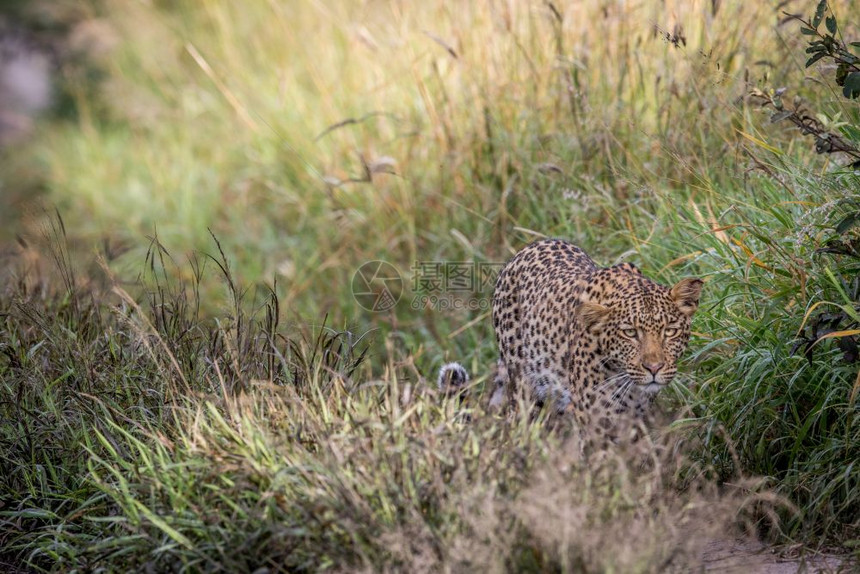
(598, 342)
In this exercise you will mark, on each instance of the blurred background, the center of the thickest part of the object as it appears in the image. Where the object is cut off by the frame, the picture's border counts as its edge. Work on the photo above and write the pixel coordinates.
(312, 137)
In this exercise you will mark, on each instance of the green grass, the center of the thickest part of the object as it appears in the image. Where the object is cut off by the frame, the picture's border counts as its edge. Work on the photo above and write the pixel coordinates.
(191, 401)
(148, 437)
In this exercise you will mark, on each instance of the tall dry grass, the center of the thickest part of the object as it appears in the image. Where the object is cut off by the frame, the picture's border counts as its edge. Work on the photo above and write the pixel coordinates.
(231, 421)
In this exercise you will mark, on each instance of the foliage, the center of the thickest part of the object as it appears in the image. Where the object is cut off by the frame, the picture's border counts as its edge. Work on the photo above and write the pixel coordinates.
(187, 418)
(823, 45)
(791, 419)
(146, 437)
(829, 45)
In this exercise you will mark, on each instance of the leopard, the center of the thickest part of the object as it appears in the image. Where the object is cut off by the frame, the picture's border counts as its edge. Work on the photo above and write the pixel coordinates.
(596, 342)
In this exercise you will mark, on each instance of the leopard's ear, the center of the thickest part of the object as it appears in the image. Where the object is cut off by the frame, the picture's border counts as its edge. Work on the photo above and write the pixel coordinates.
(591, 316)
(686, 294)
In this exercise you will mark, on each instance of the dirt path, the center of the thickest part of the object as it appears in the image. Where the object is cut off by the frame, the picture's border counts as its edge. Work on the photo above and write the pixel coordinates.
(749, 557)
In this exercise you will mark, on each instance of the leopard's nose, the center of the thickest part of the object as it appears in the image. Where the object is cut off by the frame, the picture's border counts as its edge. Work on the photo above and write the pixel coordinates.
(653, 368)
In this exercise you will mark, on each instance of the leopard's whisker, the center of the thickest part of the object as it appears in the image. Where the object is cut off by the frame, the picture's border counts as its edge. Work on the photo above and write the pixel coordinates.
(609, 381)
(621, 393)
(623, 387)
(685, 379)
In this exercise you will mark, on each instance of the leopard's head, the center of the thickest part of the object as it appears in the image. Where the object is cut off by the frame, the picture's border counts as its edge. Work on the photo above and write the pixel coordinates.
(640, 328)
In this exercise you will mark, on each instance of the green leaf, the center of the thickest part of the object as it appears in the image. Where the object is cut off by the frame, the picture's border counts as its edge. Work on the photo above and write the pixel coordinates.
(815, 58)
(162, 525)
(819, 13)
(851, 133)
(30, 513)
(851, 87)
(778, 116)
(830, 22)
(807, 31)
(848, 222)
(841, 72)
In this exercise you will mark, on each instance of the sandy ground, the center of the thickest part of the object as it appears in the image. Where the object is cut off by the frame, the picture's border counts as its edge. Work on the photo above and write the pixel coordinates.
(749, 557)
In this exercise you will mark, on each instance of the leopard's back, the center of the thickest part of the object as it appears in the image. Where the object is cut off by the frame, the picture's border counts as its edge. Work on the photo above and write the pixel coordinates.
(528, 346)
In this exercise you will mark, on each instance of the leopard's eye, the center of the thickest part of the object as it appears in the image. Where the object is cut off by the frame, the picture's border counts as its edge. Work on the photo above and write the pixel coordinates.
(672, 332)
(631, 333)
